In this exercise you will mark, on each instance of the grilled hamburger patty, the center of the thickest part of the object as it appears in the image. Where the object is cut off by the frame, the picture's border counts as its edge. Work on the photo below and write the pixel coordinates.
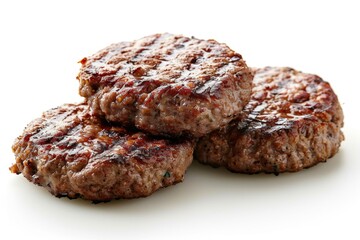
(166, 84)
(293, 121)
(74, 155)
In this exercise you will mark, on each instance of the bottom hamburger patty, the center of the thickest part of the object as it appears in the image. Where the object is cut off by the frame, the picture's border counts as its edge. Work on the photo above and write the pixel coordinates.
(293, 121)
(75, 155)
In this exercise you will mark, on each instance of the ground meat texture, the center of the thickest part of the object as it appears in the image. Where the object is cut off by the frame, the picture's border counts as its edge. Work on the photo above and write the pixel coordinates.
(74, 155)
(166, 84)
(293, 121)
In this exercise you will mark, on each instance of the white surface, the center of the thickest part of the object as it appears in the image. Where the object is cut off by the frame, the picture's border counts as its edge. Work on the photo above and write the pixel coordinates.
(41, 43)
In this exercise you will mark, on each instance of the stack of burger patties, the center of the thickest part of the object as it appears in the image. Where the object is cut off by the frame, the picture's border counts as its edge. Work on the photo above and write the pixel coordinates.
(153, 104)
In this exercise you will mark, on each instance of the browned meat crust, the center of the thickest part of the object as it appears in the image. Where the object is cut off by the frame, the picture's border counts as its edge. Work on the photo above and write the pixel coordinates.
(293, 121)
(167, 84)
(74, 155)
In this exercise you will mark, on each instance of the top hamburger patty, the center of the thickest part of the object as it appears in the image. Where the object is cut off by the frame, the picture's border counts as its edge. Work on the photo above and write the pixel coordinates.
(166, 84)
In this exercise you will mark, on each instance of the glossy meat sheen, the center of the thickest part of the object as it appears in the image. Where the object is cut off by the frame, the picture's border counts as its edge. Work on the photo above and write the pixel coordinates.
(167, 84)
(293, 121)
(74, 155)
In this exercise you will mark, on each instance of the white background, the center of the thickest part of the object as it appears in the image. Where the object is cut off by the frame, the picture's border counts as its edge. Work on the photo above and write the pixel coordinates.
(40, 45)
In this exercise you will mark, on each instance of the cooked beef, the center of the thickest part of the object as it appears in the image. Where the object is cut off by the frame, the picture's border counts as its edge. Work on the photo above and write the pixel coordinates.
(74, 155)
(167, 84)
(293, 121)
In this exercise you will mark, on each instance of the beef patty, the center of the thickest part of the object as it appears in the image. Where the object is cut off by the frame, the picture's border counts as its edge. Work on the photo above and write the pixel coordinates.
(166, 84)
(74, 155)
(293, 121)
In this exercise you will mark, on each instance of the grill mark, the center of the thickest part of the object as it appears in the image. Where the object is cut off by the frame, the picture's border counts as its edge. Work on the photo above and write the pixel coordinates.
(186, 69)
(147, 49)
(192, 64)
(48, 133)
(167, 59)
(111, 154)
(285, 105)
(121, 145)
